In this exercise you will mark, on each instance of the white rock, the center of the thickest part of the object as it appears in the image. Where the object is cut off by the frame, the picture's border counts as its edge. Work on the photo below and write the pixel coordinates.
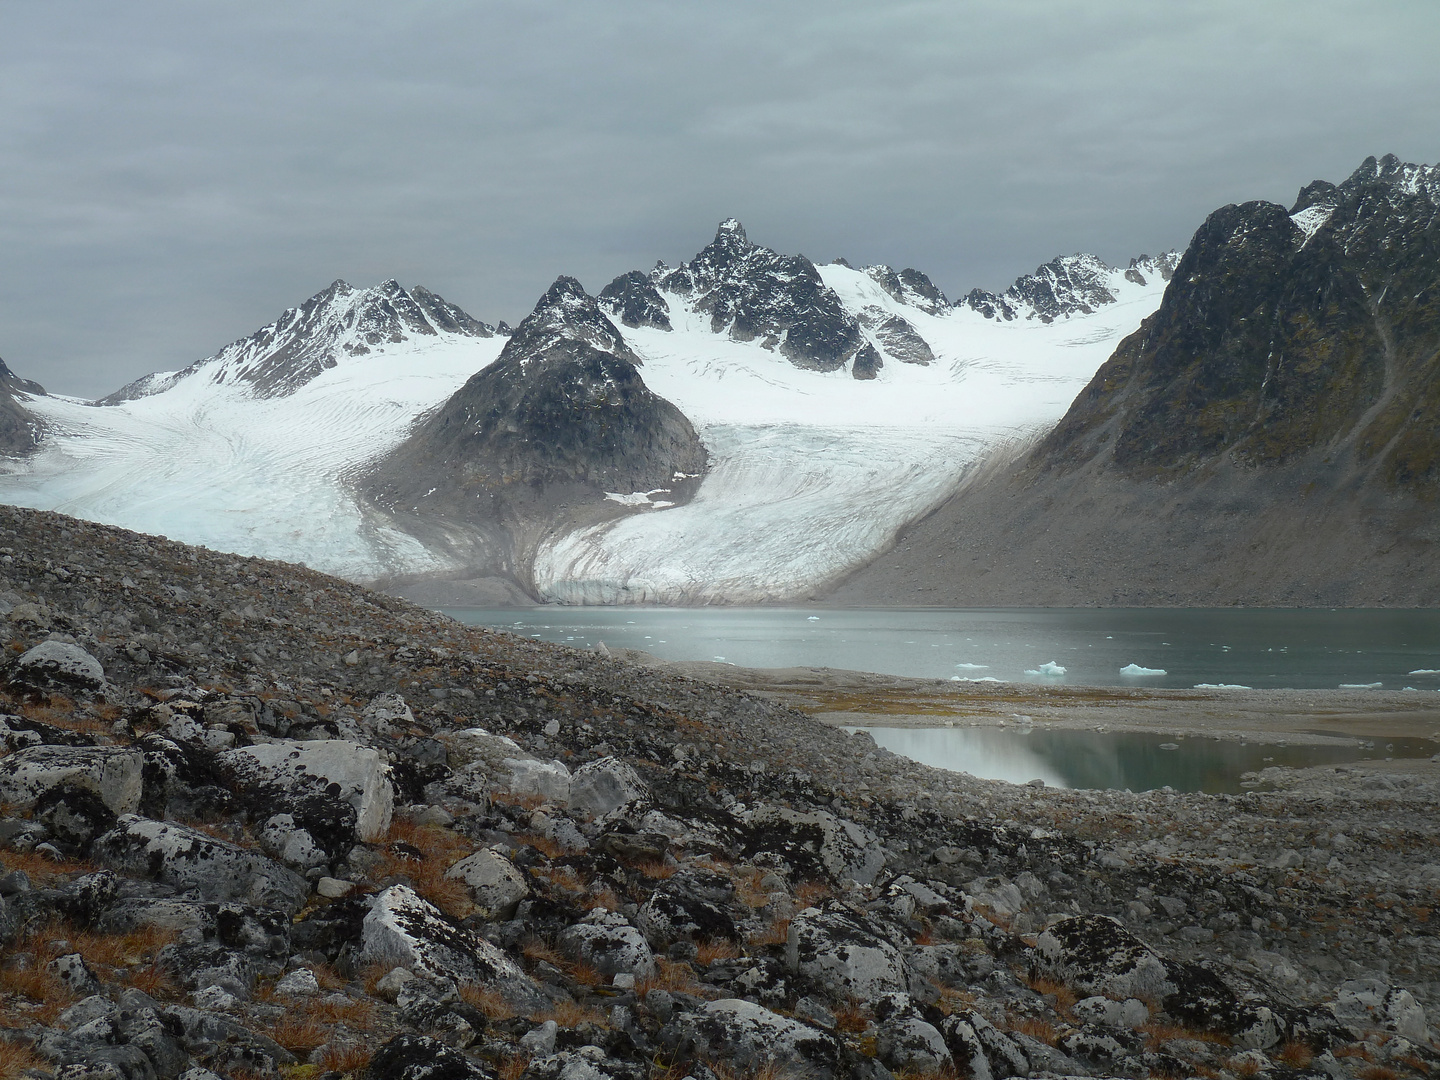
(838, 950)
(60, 663)
(548, 779)
(113, 773)
(494, 883)
(848, 850)
(750, 1036)
(404, 930)
(606, 940)
(298, 983)
(385, 712)
(334, 888)
(282, 839)
(599, 787)
(361, 773)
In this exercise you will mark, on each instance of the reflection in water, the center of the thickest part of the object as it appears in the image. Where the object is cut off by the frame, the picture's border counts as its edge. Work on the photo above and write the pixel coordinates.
(1121, 760)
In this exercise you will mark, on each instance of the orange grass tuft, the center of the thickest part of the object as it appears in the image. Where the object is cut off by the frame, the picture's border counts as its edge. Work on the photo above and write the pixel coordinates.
(1295, 1054)
(16, 1059)
(345, 1060)
(495, 1006)
(707, 952)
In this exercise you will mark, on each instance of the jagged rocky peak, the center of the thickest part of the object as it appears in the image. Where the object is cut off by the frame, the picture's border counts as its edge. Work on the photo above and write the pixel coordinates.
(1282, 333)
(635, 301)
(567, 313)
(16, 385)
(337, 322)
(1067, 285)
(908, 286)
(752, 293)
(563, 408)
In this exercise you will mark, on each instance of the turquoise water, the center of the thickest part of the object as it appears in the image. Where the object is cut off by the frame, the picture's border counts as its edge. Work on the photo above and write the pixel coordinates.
(1259, 648)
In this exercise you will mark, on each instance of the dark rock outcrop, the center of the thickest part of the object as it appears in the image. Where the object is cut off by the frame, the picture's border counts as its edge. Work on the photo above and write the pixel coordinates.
(1270, 436)
(17, 427)
(538, 437)
(633, 299)
(752, 293)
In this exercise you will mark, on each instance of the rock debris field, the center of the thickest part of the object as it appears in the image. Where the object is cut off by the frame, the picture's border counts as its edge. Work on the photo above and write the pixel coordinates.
(256, 822)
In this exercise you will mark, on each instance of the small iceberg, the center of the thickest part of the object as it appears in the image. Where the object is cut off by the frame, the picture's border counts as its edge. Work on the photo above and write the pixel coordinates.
(983, 678)
(1361, 685)
(1136, 670)
(1169, 746)
(812, 618)
(972, 667)
(1048, 670)
(1426, 671)
(1218, 686)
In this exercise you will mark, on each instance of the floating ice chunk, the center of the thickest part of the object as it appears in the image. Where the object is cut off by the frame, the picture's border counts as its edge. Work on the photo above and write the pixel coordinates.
(1426, 671)
(1361, 685)
(982, 678)
(812, 618)
(1169, 746)
(972, 667)
(1048, 669)
(1136, 670)
(1219, 686)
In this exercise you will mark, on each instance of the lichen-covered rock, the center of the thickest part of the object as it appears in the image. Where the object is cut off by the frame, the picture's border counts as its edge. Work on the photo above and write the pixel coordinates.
(751, 1037)
(114, 773)
(602, 786)
(402, 929)
(1097, 955)
(57, 665)
(689, 906)
(815, 843)
(299, 769)
(548, 779)
(1367, 1003)
(836, 948)
(906, 1040)
(607, 941)
(419, 1057)
(18, 732)
(980, 1049)
(495, 885)
(197, 862)
(74, 815)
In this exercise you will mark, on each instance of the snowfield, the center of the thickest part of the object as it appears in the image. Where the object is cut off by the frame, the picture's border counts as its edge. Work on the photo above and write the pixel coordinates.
(211, 464)
(811, 474)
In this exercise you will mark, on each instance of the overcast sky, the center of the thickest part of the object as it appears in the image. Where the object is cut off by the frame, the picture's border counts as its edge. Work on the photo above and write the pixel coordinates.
(174, 175)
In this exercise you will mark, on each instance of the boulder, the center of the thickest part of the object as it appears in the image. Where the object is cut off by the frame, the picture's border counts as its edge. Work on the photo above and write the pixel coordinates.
(57, 666)
(548, 779)
(261, 932)
(816, 843)
(197, 862)
(836, 948)
(1130, 1013)
(750, 1037)
(495, 884)
(402, 929)
(585, 1063)
(387, 714)
(111, 772)
(1095, 954)
(688, 907)
(75, 816)
(1370, 1003)
(607, 941)
(295, 770)
(980, 1049)
(906, 1040)
(181, 781)
(419, 1057)
(600, 787)
(18, 732)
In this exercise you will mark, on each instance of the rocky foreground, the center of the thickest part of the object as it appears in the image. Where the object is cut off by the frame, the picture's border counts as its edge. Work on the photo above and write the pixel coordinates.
(258, 822)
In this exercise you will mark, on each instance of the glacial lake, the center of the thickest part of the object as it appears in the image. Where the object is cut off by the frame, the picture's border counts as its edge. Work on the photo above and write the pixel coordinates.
(1134, 761)
(1158, 647)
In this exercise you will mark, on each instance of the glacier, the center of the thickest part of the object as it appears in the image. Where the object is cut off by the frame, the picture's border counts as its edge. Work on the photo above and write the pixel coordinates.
(811, 474)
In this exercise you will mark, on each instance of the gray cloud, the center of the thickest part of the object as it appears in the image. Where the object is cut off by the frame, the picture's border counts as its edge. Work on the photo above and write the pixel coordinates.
(173, 175)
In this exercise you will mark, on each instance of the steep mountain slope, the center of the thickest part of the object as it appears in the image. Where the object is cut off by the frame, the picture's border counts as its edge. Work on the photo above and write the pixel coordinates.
(535, 441)
(1269, 436)
(17, 426)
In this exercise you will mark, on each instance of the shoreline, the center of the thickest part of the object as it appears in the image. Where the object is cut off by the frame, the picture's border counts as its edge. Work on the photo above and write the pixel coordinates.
(844, 698)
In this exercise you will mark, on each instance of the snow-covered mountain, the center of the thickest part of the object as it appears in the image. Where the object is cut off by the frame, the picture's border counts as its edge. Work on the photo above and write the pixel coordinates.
(746, 426)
